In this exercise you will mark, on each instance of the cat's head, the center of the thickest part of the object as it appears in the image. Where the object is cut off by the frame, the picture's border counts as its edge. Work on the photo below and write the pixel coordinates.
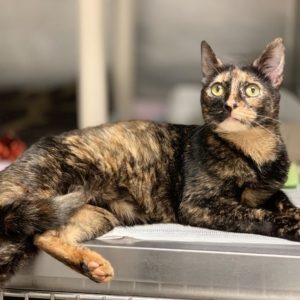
(240, 98)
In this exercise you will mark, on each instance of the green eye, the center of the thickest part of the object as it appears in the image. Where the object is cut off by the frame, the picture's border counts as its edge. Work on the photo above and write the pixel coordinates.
(252, 90)
(217, 89)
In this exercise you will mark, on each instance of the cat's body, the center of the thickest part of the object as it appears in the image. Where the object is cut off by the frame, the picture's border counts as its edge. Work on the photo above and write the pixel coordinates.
(132, 169)
(224, 175)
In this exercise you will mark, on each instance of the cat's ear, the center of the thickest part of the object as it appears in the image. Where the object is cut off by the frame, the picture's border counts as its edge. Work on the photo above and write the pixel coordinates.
(209, 61)
(271, 62)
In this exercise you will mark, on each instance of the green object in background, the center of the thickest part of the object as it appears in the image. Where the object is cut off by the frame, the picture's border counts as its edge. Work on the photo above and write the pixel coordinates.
(293, 177)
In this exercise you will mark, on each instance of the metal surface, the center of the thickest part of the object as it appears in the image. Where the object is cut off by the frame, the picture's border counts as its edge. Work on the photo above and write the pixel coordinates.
(53, 296)
(177, 270)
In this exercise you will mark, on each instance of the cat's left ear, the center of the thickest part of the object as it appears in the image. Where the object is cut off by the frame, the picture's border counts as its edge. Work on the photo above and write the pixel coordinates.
(271, 62)
(209, 61)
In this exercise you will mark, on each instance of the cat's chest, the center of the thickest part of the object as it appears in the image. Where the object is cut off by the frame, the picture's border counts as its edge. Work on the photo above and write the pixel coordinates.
(228, 163)
(215, 176)
(235, 170)
(256, 143)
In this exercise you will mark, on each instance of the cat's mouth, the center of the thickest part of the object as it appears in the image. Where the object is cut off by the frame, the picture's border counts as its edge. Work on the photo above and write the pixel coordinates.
(232, 124)
(233, 119)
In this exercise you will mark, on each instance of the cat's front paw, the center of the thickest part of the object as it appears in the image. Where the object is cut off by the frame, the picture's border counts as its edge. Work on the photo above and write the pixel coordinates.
(96, 267)
(288, 227)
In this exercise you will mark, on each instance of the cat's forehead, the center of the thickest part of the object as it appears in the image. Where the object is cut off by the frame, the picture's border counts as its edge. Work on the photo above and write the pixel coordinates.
(236, 74)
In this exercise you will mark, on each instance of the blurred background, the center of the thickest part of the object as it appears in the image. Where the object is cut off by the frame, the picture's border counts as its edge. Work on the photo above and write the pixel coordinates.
(67, 63)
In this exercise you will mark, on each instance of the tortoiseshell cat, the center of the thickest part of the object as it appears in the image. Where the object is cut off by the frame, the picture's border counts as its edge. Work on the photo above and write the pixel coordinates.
(224, 175)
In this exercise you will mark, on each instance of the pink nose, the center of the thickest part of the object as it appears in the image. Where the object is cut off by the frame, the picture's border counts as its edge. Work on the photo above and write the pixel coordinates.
(231, 103)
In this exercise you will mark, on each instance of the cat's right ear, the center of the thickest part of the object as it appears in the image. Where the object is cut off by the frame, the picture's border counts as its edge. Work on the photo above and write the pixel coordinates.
(209, 61)
(271, 62)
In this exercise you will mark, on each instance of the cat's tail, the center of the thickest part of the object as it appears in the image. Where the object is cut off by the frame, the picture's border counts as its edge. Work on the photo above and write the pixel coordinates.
(20, 220)
(23, 218)
(13, 256)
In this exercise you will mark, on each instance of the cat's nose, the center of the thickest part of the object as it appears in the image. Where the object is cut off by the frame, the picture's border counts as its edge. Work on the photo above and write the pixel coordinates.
(232, 102)
(230, 105)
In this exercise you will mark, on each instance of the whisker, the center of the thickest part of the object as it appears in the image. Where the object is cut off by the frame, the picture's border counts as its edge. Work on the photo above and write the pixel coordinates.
(270, 132)
(217, 112)
(262, 116)
(203, 126)
(265, 117)
(259, 125)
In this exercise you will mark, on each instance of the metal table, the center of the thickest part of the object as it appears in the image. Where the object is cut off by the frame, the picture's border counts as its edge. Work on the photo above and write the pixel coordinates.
(173, 270)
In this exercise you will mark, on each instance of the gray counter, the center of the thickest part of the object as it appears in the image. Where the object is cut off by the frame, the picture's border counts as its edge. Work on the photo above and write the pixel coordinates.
(177, 271)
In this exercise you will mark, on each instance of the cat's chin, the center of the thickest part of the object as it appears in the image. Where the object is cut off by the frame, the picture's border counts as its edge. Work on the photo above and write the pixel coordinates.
(231, 125)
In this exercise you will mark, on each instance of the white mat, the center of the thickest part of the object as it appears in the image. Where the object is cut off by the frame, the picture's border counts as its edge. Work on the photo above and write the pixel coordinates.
(180, 233)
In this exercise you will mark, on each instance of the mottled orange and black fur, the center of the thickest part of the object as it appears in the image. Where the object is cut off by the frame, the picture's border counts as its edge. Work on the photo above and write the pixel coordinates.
(224, 175)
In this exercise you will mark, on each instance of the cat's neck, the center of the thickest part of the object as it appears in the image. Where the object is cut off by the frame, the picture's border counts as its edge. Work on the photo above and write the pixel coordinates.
(260, 144)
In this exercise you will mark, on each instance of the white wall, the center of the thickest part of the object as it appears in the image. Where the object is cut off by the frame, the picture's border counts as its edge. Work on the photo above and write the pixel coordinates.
(170, 33)
(38, 38)
(38, 42)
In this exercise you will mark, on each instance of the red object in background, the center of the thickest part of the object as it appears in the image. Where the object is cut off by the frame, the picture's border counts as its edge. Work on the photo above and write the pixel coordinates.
(11, 147)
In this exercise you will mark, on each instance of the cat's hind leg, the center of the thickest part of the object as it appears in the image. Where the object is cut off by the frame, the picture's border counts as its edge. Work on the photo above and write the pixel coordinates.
(86, 224)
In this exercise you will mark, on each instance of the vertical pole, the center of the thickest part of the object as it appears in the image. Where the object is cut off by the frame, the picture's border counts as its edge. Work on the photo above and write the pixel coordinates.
(123, 57)
(92, 104)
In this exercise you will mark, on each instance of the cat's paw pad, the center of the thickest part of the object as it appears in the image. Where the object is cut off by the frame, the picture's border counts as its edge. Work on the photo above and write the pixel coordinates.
(98, 270)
